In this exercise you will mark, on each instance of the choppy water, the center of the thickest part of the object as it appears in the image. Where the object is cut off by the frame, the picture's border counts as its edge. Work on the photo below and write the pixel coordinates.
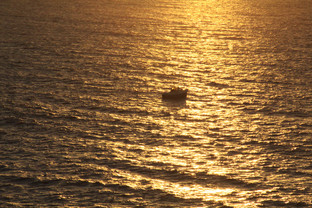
(82, 120)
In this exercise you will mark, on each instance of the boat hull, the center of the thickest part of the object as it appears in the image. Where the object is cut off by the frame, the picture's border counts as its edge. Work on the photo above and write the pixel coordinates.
(180, 95)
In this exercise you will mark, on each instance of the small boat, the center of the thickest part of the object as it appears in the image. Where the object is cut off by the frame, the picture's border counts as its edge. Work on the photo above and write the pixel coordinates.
(175, 94)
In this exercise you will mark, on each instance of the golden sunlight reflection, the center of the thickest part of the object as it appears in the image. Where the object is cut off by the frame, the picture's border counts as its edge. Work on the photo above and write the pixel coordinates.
(187, 191)
(206, 133)
(187, 159)
(85, 116)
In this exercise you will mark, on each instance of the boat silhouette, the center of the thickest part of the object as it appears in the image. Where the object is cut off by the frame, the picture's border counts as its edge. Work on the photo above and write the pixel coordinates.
(175, 94)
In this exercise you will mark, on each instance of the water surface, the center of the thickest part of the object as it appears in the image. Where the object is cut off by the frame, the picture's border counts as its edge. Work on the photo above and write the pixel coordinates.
(82, 120)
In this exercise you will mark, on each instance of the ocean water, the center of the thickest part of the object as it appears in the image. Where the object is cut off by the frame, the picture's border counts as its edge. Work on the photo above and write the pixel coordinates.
(82, 122)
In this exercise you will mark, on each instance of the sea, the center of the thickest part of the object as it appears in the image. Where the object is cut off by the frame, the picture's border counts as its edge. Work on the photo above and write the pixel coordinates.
(83, 123)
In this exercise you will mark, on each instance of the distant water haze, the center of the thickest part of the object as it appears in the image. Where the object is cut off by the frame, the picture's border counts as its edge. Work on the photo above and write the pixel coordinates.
(83, 123)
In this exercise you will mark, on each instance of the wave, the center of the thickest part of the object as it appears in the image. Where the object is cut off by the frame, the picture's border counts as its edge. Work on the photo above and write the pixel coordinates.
(174, 175)
(91, 192)
(278, 203)
(272, 110)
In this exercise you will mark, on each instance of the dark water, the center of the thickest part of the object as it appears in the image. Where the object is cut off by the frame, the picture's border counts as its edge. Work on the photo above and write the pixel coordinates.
(82, 120)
